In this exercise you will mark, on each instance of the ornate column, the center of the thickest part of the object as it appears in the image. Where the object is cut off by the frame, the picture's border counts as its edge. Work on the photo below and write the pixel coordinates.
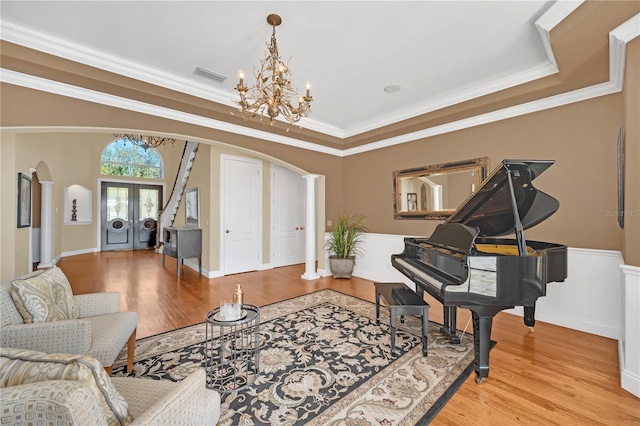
(46, 225)
(310, 251)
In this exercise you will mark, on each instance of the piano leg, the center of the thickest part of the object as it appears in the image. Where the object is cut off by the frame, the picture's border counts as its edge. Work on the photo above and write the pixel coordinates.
(482, 321)
(449, 328)
(530, 316)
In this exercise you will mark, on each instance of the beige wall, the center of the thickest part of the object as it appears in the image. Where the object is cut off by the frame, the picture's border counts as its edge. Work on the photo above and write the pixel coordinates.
(71, 158)
(37, 109)
(205, 175)
(581, 138)
(631, 247)
(8, 215)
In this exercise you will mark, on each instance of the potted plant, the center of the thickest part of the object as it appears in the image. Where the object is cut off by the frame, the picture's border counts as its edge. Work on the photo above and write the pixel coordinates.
(344, 243)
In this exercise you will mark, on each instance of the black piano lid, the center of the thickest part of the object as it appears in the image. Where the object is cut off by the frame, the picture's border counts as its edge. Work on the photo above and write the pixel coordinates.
(490, 208)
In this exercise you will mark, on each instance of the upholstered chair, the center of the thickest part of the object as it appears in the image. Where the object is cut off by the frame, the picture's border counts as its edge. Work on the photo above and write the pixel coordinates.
(39, 312)
(66, 389)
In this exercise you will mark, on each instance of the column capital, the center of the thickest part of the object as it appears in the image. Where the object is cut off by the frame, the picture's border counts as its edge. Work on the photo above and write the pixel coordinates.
(311, 176)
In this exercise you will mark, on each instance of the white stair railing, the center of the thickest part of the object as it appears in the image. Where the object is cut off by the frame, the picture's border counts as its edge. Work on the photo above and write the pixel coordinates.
(168, 214)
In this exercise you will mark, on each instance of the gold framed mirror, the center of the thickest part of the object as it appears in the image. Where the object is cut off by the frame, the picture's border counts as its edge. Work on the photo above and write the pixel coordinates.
(435, 192)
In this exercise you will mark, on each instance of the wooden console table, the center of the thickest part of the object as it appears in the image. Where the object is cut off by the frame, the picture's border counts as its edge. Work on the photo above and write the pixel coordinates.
(182, 242)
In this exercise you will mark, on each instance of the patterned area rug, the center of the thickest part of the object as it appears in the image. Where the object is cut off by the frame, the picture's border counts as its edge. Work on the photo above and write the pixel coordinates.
(323, 361)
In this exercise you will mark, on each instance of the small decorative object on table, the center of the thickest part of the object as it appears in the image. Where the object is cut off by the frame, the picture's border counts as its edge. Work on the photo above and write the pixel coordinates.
(230, 312)
(237, 295)
(74, 210)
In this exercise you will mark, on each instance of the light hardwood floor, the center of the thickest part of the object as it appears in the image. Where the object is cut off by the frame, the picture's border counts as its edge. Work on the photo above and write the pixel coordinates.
(552, 376)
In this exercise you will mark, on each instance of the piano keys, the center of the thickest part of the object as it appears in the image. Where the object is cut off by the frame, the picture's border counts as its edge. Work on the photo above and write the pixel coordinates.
(463, 264)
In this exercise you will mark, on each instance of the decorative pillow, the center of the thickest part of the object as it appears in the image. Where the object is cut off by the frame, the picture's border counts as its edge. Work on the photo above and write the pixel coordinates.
(21, 366)
(45, 297)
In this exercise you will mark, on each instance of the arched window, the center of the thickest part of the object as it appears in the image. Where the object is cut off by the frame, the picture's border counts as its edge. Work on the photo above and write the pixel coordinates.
(123, 158)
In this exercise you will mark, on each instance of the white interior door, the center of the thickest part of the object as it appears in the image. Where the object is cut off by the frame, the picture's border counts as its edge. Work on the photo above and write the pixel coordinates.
(287, 217)
(301, 210)
(241, 214)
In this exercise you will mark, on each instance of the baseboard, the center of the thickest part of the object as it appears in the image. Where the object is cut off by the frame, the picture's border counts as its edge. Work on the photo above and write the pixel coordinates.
(205, 272)
(628, 381)
(572, 322)
(324, 272)
(265, 266)
(77, 252)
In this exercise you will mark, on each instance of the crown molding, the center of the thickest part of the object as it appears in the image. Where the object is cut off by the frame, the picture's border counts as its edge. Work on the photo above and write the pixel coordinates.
(503, 114)
(63, 89)
(618, 39)
(552, 17)
(84, 55)
(556, 14)
(81, 54)
(543, 69)
(57, 47)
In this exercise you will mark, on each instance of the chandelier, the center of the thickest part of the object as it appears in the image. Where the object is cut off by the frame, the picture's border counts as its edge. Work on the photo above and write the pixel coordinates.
(273, 94)
(145, 142)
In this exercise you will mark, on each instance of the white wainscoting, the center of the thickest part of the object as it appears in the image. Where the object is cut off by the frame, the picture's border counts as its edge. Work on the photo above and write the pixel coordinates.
(629, 344)
(601, 296)
(589, 300)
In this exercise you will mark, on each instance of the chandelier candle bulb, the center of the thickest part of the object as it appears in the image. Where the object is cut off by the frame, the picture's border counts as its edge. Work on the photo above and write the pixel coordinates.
(241, 74)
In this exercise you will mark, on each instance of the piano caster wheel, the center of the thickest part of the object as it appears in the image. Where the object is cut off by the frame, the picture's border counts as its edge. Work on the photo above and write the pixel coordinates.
(531, 330)
(480, 380)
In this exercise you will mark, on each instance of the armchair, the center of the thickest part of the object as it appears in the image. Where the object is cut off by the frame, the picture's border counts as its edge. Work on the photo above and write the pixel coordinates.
(69, 389)
(101, 331)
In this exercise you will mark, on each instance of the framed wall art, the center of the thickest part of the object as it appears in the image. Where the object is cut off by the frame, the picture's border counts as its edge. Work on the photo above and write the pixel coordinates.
(621, 176)
(192, 207)
(24, 201)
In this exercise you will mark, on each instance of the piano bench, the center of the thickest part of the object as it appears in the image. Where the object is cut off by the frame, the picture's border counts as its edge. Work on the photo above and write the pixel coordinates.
(411, 304)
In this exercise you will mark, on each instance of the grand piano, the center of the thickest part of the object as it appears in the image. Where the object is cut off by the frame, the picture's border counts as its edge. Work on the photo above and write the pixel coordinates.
(464, 264)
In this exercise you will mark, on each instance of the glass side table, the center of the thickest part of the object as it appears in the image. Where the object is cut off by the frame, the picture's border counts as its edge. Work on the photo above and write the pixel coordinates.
(232, 349)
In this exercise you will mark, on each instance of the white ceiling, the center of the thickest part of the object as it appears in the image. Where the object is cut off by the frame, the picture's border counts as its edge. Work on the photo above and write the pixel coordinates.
(440, 52)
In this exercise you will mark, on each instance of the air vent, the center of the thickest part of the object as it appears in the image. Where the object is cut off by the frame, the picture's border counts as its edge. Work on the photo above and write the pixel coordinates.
(212, 75)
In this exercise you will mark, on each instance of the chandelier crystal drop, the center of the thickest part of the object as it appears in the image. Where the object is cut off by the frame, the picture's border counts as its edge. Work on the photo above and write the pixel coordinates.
(273, 93)
(144, 141)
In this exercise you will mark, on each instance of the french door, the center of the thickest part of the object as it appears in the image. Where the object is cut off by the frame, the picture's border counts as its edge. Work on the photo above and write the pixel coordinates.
(129, 215)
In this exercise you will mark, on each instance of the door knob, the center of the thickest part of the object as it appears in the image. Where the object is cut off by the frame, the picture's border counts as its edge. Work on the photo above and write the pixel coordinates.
(227, 231)
(297, 228)
(301, 228)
